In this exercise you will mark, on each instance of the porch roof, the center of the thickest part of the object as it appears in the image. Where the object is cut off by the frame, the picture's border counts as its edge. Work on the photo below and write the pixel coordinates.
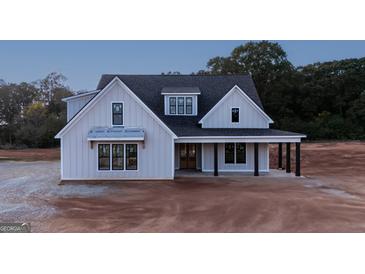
(196, 131)
(116, 134)
(260, 135)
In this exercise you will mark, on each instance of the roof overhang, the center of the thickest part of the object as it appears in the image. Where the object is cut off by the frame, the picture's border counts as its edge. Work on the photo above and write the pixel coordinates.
(79, 95)
(244, 139)
(180, 91)
(114, 134)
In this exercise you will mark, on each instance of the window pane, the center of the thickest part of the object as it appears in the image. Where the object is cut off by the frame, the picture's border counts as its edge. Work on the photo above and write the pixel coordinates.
(172, 105)
(131, 156)
(180, 105)
(118, 157)
(117, 119)
(229, 153)
(235, 115)
(240, 153)
(117, 109)
(103, 157)
(189, 105)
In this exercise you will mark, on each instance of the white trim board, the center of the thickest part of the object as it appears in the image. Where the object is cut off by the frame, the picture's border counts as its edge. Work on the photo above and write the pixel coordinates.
(246, 139)
(79, 95)
(97, 98)
(250, 101)
(115, 179)
(180, 94)
(121, 139)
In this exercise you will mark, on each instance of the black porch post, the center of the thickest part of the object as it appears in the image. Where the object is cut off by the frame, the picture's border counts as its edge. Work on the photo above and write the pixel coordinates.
(297, 159)
(288, 158)
(215, 159)
(256, 159)
(280, 156)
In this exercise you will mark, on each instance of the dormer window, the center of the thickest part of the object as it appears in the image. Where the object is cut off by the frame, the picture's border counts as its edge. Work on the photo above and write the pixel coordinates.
(181, 100)
(172, 101)
(189, 105)
(180, 105)
(117, 114)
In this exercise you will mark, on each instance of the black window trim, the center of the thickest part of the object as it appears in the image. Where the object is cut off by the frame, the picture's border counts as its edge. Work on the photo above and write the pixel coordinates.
(186, 105)
(225, 153)
(111, 157)
(122, 114)
(170, 105)
(178, 105)
(98, 158)
(183, 107)
(232, 108)
(245, 153)
(126, 165)
(235, 154)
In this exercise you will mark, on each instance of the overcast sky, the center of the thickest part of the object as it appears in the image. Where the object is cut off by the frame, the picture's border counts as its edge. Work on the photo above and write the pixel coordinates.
(83, 62)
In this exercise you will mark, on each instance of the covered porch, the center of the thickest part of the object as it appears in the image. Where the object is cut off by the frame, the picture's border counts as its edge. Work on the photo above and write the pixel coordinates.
(219, 155)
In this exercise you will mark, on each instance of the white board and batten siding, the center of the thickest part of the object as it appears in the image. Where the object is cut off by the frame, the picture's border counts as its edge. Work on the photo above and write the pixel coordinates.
(208, 159)
(74, 105)
(249, 116)
(155, 159)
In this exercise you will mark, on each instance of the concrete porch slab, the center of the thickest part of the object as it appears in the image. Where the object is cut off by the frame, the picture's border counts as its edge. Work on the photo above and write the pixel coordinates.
(275, 173)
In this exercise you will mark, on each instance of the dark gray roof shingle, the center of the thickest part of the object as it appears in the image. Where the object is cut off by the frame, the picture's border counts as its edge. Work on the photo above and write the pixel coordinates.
(180, 90)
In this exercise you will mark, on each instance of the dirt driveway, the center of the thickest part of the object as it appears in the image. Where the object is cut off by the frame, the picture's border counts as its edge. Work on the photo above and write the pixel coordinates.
(330, 199)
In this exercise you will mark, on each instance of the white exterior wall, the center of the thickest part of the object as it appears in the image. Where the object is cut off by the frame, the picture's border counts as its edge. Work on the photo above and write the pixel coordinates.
(208, 158)
(74, 105)
(155, 160)
(249, 116)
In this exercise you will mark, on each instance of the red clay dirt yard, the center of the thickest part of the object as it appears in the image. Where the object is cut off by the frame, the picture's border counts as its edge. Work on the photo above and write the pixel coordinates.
(330, 198)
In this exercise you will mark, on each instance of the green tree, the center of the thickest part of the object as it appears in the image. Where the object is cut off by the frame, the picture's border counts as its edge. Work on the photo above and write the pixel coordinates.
(323, 100)
(13, 100)
(33, 127)
(266, 61)
(50, 84)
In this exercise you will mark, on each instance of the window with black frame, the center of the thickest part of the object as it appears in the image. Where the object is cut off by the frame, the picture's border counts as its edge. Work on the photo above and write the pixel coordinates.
(240, 153)
(235, 115)
(189, 105)
(229, 153)
(104, 157)
(117, 115)
(131, 156)
(180, 105)
(118, 157)
(172, 105)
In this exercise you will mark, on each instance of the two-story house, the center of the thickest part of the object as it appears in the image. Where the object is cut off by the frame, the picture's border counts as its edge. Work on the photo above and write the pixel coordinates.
(148, 126)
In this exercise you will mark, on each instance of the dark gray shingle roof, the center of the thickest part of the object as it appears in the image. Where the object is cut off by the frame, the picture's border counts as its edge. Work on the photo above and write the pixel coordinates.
(148, 88)
(196, 131)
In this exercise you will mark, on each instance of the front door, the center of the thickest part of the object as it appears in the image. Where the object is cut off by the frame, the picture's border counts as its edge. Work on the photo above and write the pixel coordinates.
(187, 156)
